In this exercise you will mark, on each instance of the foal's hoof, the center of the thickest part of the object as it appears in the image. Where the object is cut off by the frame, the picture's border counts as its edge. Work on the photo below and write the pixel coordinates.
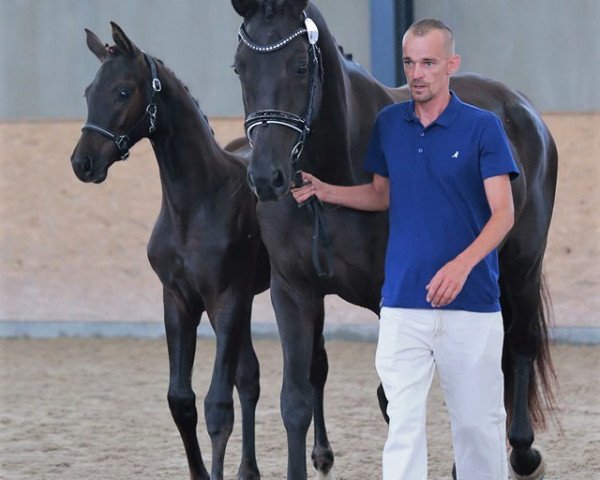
(454, 471)
(322, 459)
(538, 474)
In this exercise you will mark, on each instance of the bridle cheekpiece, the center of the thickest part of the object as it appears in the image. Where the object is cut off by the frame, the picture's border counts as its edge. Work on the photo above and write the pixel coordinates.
(300, 124)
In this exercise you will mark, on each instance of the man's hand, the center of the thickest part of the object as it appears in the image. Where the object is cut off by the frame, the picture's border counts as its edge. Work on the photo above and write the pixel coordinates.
(312, 186)
(447, 283)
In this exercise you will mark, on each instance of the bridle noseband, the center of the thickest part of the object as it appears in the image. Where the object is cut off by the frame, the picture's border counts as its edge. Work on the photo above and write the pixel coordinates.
(300, 125)
(124, 141)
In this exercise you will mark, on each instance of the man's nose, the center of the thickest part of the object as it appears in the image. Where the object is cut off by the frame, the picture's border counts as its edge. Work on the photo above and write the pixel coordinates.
(417, 71)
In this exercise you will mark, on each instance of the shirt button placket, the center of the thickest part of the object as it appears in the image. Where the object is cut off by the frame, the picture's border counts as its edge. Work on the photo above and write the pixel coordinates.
(420, 144)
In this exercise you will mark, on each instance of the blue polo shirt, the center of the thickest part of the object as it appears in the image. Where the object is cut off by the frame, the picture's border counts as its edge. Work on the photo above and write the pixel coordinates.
(438, 204)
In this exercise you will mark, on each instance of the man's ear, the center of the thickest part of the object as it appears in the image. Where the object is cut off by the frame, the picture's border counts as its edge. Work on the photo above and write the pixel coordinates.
(454, 64)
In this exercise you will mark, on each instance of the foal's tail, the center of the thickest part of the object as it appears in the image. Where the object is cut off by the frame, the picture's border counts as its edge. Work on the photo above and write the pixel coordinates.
(543, 382)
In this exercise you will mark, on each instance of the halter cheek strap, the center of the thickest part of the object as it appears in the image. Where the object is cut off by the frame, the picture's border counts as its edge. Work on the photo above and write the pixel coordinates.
(124, 141)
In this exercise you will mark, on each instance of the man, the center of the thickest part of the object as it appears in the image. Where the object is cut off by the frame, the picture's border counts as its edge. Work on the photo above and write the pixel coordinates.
(443, 168)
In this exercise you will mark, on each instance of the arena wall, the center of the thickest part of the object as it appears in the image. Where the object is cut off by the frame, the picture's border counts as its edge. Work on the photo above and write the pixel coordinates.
(545, 48)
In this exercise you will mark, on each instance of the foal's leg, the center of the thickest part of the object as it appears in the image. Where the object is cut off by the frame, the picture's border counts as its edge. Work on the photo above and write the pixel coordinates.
(181, 341)
(296, 312)
(229, 313)
(322, 455)
(248, 386)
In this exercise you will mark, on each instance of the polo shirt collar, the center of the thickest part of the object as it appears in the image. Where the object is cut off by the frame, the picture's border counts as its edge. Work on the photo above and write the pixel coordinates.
(447, 116)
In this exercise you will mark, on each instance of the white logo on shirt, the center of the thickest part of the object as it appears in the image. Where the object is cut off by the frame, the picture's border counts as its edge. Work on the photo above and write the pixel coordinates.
(455, 154)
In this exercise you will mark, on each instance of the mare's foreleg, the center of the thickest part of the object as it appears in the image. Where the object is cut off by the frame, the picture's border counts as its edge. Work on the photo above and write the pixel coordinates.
(180, 326)
(322, 455)
(248, 386)
(230, 316)
(296, 312)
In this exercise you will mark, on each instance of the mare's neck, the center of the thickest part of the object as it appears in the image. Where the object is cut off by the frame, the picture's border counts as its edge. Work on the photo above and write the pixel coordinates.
(351, 99)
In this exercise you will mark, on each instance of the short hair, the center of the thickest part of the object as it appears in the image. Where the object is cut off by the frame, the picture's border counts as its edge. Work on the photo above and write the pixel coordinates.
(426, 25)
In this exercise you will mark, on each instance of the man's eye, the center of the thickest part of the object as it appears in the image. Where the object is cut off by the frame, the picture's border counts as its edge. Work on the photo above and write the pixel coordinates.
(124, 93)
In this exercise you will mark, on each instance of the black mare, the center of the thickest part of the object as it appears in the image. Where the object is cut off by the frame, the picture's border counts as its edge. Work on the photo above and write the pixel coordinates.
(205, 246)
(285, 91)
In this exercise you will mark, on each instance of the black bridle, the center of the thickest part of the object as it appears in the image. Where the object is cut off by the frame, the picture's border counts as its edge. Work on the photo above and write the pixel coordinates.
(124, 141)
(300, 124)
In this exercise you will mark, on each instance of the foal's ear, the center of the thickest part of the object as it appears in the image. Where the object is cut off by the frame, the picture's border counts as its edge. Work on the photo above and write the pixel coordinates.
(126, 46)
(245, 8)
(95, 45)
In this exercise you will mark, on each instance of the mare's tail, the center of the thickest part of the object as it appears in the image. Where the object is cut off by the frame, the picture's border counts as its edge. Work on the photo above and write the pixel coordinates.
(543, 382)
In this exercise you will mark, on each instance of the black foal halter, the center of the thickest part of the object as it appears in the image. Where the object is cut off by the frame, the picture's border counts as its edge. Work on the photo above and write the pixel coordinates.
(124, 141)
(300, 124)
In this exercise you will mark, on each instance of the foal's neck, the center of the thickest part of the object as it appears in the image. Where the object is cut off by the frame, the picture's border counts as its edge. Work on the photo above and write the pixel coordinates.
(191, 163)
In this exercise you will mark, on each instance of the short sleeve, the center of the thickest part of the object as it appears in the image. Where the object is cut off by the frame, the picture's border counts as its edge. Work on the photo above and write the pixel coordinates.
(495, 155)
(375, 158)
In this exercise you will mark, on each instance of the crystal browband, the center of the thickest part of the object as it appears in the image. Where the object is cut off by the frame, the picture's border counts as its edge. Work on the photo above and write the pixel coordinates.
(268, 48)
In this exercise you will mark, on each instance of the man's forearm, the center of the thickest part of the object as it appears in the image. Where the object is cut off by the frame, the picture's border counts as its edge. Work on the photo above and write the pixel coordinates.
(359, 197)
(490, 237)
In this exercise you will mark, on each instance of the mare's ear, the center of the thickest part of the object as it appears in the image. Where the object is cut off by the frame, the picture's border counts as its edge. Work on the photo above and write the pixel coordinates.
(245, 8)
(95, 45)
(126, 46)
(296, 6)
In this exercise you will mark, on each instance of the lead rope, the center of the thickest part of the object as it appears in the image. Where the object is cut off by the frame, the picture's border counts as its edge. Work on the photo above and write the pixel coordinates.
(313, 204)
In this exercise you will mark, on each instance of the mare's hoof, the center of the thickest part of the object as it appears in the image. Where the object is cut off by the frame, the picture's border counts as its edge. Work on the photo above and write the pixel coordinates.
(325, 476)
(454, 471)
(248, 471)
(322, 459)
(538, 474)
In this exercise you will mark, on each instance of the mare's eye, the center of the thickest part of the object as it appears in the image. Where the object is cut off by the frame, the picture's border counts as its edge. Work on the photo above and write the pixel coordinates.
(302, 69)
(235, 70)
(124, 93)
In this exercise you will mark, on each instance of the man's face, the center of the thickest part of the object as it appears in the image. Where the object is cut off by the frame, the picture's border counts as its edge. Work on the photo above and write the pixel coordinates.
(428, 64)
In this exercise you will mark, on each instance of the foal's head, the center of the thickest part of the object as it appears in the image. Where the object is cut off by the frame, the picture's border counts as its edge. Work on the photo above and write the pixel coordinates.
(278, 62)
(120, 106)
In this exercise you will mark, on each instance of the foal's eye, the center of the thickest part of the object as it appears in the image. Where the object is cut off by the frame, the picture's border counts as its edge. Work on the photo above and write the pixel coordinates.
(124, 93)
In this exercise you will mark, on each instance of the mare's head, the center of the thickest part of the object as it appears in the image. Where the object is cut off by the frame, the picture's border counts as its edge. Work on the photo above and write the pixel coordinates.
(279, 65)
(120, 106)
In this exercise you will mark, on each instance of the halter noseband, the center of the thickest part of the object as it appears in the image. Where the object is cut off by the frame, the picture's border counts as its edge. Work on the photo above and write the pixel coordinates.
(123, 141)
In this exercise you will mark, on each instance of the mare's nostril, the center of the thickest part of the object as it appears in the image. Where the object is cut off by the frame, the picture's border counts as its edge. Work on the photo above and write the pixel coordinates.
(86, 165)
(277, 179)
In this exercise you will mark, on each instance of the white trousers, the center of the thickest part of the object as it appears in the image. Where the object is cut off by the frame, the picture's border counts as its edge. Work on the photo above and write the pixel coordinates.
(466, 349)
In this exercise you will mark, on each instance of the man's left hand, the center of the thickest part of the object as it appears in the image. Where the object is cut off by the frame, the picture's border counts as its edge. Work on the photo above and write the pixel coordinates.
(447, 283)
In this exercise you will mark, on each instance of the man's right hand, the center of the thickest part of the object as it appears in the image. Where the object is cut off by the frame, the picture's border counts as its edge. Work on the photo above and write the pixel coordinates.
(312, 186)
